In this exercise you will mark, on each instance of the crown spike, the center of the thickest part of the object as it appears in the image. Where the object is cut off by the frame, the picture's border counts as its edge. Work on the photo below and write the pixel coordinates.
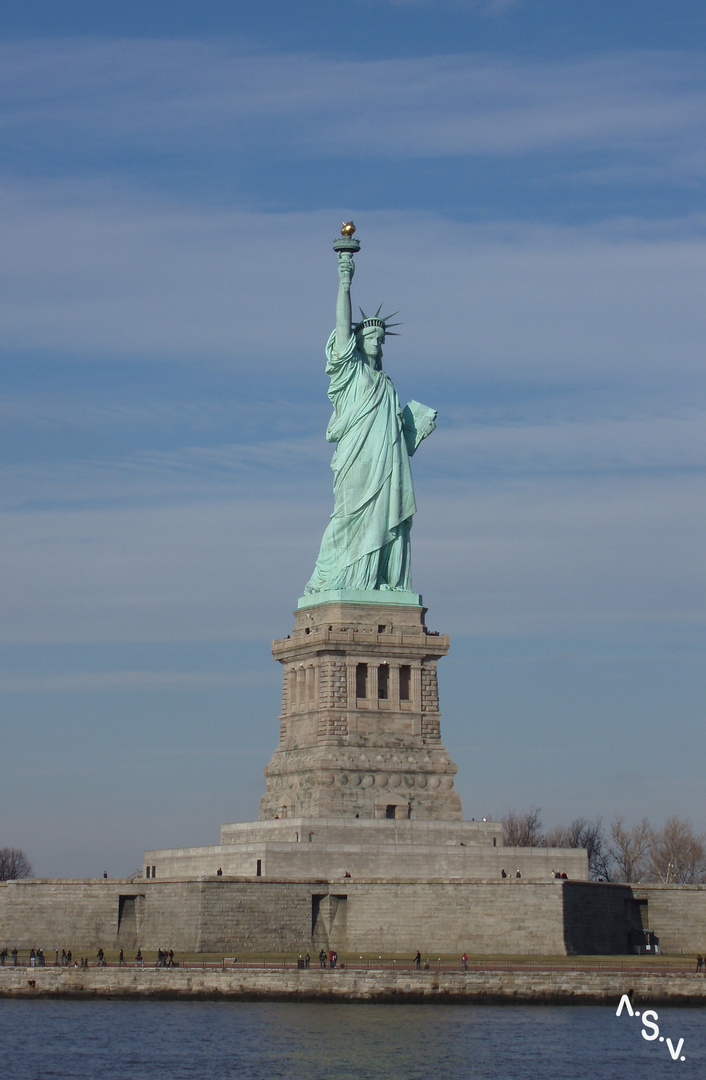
(376, 320)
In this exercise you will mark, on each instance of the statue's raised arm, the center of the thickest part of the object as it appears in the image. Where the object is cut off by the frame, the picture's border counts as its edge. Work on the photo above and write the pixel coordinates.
(365, 548)
(344, 316)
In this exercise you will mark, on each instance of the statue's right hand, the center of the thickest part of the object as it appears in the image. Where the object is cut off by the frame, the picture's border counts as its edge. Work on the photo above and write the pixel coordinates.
(346, 268)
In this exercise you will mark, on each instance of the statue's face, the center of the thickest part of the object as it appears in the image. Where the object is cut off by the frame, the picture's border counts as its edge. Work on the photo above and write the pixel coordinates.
(370, 342)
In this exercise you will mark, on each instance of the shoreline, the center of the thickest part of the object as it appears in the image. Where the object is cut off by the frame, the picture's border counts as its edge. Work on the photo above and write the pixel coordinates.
(253, 984)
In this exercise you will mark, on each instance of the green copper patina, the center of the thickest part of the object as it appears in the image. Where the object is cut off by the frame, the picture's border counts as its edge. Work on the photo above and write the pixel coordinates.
(366, 546)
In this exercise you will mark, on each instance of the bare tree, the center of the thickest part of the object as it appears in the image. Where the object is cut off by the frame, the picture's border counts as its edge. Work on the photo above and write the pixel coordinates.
(523, 829)
(677, 855)
(630, 850)
(14, 864)
(582, 833)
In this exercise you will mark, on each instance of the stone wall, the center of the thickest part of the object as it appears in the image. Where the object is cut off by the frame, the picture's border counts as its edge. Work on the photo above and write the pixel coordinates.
(245, 916)
(502, 917)
(366, 850)
(48, 914)
(598, 918)
(542, 987)
(311, 861)
(676, 913)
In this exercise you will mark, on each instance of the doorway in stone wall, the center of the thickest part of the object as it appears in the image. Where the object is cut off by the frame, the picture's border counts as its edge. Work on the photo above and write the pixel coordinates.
(329, 921)
(129, 918)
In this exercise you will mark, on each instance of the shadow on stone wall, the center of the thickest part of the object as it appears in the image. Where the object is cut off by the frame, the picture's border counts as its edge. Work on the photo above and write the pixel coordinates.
(601, 918)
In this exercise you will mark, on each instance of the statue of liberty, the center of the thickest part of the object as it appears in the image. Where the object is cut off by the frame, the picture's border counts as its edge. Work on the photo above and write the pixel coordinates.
(366, 545)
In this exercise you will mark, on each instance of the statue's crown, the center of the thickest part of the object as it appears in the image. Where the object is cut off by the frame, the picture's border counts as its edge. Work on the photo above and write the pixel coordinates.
(376, 320)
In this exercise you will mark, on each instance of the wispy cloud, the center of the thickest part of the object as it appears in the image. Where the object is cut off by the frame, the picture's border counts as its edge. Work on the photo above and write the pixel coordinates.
(540, 554)
(272, 470)
(280, 471)
(159, 96)
(93, 273)
(136, 574)
(608, 445)
(106, 681)
(612, 559)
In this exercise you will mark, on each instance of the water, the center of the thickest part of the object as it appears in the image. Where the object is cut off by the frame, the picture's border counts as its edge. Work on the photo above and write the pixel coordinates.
(117, 1040)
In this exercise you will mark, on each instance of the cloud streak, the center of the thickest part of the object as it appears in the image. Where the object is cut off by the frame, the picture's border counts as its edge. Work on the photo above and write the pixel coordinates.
(158, 96)
(604, 556)
(634, 444)
(94, 274)
(279, 471)
(106, 681)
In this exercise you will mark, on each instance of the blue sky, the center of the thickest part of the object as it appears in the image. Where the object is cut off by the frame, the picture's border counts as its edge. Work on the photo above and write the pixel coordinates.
(528, 183)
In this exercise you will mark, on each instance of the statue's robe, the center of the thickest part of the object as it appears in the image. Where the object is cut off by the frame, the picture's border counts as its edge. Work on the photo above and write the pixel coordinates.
(366, 543)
